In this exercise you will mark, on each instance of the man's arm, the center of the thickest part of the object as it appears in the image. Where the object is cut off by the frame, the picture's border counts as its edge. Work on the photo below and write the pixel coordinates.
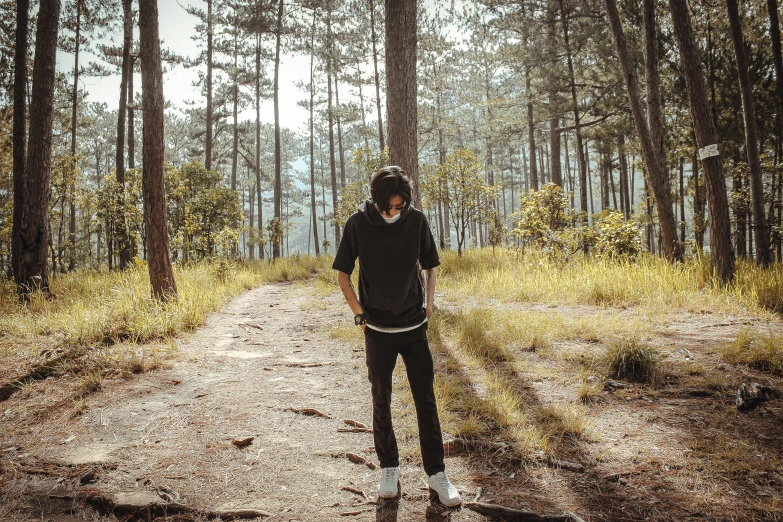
(344, 280)
(430, 275)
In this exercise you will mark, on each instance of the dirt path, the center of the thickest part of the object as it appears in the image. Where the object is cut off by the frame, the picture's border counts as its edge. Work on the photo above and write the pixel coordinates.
(675, 452)
(171, 430)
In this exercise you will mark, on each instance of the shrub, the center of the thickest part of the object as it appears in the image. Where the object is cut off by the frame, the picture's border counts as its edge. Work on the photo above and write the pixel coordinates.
(616, 238)
(630, 360)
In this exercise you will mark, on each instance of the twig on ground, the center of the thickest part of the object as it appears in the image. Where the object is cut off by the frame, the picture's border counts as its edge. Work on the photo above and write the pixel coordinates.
(312, 412)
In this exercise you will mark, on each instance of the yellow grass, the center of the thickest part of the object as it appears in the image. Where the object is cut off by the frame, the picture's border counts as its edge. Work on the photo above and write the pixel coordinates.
(650, 282)
(100, 307)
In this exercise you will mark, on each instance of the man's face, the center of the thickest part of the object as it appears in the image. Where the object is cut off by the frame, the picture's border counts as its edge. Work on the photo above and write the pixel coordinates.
(396, 205)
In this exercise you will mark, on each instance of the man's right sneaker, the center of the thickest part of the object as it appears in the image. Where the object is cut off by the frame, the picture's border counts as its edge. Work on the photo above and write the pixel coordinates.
(447, 493)
(388, 485)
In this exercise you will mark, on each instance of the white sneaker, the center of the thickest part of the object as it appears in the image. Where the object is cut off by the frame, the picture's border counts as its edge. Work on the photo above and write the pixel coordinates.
(388, 485)
(447, 493)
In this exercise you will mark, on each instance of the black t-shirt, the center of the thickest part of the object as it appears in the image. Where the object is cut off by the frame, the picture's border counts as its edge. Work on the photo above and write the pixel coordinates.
(391, 256)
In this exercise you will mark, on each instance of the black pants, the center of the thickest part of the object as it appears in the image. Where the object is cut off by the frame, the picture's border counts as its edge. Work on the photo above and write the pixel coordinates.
(381, 350)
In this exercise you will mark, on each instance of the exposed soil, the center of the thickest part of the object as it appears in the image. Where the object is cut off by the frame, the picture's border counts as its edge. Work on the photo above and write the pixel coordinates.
(679, 451)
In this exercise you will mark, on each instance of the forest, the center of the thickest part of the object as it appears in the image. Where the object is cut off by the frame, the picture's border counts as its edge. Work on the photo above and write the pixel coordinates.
(610, 103)
(603, 180)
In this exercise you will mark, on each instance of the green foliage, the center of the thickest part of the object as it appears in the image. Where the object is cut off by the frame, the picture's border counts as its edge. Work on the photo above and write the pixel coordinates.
(543, 217)
(203, 215)
(616, 238)
(459, 183)
(121, 206)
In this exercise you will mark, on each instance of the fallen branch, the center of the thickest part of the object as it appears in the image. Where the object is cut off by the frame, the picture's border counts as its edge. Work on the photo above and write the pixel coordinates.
(304, 365)
(120, 506)
(564, 464)
(356, 459)
(356, 424)
(354, 430)
(241, 443)
(354, 490)
(518, 515)
(312, 412)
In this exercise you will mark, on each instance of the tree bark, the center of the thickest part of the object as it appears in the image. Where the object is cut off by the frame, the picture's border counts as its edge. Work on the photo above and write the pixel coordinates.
(74, 104)
(121, 229)
(259, 190)
(401, 106)
(625, 200)
(721, 254)
(381, 141)
(33, 267)
(208, 145)
(650, 136)
(339, 131)
(760, 229)
(131, 116)
(531, 133)
(314, 214)
(278, 195)
(330, 119)
(235, 101)
(157, 238)
(774, 33)
(577, 124)
(19, 132)
(682, 201)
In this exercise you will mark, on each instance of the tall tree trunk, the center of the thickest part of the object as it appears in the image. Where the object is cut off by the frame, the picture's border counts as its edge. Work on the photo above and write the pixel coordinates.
(444, 183)
(381, 141)
(314, 214)
(131, 115)
(721, 254)
(625, 202)
(33, 266)
(531, 133)
(362, 107)
(157, 237)
(774, 33)
(74, 104)
(555, 171)
(740, 239)
(235, 103)
(760, 230)
(682, 201)
(401, 106)
(19, 132)
(208, 147)
(258, 147)
(330, 118)
(278, 195)
(339, 129)
(698, 205)
(121, 229)
(650, 136)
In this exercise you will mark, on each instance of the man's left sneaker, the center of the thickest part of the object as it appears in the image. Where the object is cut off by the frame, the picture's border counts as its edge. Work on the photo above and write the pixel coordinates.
(447, 493)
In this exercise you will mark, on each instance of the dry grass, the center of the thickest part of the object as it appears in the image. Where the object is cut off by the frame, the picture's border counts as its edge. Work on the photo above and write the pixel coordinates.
(650, 282)
(759, 351)
(99, 307)
(632, 360)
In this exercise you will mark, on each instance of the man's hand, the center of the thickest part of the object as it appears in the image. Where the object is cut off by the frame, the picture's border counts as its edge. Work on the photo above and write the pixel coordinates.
(429, 312)
(364, 326)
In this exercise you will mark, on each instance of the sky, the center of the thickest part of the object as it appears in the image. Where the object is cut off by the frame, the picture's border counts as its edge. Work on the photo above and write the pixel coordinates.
(176, 29)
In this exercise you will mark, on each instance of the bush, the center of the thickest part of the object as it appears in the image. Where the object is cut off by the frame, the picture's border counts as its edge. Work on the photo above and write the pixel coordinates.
(630, 360)
(616, 238)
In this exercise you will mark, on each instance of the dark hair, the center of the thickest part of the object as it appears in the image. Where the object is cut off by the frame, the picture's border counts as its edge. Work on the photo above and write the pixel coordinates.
(389, 182)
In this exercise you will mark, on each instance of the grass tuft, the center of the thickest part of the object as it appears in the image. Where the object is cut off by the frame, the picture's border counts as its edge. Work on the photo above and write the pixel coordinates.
(760, 352)
(631, 360)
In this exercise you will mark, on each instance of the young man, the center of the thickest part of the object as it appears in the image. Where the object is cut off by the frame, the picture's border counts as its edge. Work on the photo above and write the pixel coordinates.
(394, 244)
